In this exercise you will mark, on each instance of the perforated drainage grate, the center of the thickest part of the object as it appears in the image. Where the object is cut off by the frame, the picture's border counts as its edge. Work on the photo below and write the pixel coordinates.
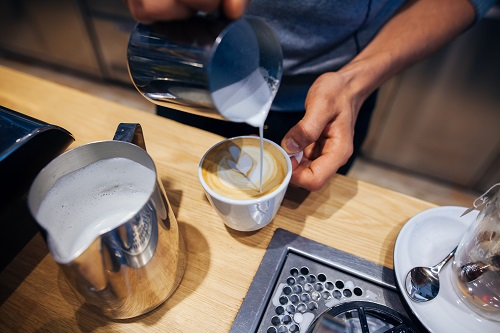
(303, 292)
(299, 279)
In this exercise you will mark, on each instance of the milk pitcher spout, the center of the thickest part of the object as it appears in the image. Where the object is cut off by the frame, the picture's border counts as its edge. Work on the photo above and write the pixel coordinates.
(109, 225)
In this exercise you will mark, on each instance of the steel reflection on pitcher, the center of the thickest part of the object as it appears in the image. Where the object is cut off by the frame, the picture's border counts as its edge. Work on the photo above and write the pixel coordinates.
(123, 262)
(207, 65)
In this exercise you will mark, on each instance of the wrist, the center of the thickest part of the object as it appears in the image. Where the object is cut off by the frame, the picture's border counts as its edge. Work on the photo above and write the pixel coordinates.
(362, 78)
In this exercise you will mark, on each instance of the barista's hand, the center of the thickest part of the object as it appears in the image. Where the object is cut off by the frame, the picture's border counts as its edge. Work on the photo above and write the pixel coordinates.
(148, 11)
(325, 133)
(333, 102)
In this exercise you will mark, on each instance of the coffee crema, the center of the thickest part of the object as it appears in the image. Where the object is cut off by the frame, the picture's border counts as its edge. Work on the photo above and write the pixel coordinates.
(232, 168)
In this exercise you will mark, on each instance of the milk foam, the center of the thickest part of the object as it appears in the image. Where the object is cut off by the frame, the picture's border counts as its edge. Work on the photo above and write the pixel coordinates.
(91, 201)
(247, 100)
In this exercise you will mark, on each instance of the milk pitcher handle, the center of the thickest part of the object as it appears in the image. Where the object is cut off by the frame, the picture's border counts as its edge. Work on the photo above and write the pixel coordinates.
(132, 133)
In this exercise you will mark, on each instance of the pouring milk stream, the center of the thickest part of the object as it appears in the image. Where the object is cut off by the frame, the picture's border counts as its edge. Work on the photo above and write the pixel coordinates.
(211, 66)
(248, 100)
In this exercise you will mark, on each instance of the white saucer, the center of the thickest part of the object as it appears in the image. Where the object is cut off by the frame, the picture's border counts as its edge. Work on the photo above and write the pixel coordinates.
(424, 241)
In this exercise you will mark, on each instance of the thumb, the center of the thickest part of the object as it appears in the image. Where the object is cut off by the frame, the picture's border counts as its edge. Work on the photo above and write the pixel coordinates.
(301, 135)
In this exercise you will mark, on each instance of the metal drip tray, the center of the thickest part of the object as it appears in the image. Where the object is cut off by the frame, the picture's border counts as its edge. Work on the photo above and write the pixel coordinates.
(299, 279)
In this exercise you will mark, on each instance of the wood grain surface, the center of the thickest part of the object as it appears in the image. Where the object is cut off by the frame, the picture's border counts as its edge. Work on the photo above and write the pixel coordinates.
(348, 214)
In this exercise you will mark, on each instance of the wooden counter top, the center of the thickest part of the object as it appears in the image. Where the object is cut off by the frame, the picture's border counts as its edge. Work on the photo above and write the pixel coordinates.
(350, 215)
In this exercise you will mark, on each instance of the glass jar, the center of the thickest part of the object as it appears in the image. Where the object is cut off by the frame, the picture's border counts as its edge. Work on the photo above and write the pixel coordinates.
(476, 265)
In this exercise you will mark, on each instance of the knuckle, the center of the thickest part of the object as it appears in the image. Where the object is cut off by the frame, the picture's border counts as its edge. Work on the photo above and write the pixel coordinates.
(314, 187)
(305, 134)
(347, 153)
(316, 183)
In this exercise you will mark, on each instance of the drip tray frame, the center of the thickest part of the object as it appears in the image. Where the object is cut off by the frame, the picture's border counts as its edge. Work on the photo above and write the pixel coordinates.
(288, 253)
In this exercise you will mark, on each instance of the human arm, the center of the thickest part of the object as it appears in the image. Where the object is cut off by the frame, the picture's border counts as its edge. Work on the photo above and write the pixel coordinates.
(148, 11)
(326, 132)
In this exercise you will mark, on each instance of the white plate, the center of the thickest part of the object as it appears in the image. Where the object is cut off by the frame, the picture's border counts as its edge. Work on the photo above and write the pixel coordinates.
(424, 241)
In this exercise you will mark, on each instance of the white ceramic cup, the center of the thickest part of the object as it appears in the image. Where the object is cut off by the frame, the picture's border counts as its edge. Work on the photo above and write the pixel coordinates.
(248, 214)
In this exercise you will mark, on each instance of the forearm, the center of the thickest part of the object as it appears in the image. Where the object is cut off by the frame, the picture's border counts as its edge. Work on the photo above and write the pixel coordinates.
(417, 30)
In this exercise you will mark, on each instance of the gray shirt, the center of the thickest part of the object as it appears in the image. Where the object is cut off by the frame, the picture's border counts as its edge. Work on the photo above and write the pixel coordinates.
(319, 36)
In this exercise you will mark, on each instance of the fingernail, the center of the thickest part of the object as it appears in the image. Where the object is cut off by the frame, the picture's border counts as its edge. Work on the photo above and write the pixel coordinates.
(292, 146)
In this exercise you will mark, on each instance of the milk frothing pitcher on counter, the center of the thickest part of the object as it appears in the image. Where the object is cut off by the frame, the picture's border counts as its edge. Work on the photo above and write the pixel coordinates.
(207, 65)
(131, 267)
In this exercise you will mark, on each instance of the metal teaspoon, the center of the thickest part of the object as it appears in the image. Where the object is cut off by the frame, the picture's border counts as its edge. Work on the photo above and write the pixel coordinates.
(422, 283)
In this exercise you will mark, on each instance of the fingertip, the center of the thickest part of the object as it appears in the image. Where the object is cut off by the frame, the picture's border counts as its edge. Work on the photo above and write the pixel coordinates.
(300, 136)
(298, 175)
(234, 9)
(295, 162)
(148, 12)
(298, 156)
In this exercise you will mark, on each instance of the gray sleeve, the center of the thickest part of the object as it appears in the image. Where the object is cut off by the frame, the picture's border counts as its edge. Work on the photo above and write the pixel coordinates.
(481, 7)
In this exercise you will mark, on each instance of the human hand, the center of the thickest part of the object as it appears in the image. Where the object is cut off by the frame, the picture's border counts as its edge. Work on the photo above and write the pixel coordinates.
(148, 11)
(326, 132)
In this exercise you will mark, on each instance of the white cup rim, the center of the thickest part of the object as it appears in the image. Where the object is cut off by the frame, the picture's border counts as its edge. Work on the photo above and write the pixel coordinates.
(245, 202)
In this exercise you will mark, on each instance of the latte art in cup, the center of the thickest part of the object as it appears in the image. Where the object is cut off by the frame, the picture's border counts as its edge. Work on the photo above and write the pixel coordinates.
(232, 168)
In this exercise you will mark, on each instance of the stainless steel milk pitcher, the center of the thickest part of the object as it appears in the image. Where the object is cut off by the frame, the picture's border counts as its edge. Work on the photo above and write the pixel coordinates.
(197, 65)
(135, 267)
